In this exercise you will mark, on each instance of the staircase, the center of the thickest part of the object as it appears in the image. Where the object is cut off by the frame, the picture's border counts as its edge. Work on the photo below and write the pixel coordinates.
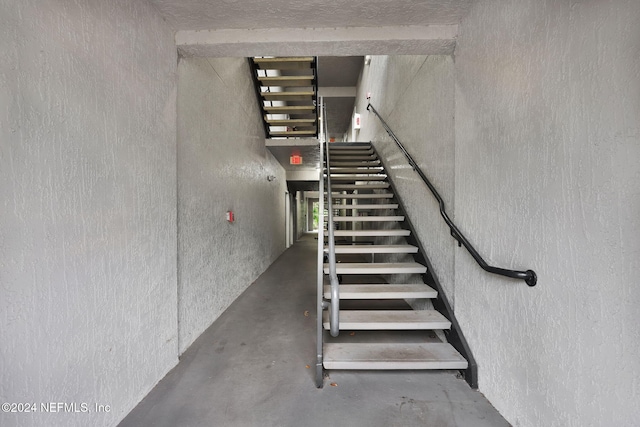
(378, 271)
(287, 90)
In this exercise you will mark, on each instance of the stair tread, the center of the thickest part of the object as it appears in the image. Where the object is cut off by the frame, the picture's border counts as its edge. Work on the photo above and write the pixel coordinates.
(334, 146)
(362, 196)
(385, 291)
(345, 157)
(355, 178)
(286, 81)
(289, 96)
(363, 163)
(294, 133)
(377, 268)
(367, 186)
(372, 218)
(366, 206)
(284, 63)
(375, 249)
(389, 320)
(291, 122)
(290, 109)
(392, 356)
(350, 152)
(356, 170)
(390, 232)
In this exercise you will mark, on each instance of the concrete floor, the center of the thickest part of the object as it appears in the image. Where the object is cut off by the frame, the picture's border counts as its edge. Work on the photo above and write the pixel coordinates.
(255, 367)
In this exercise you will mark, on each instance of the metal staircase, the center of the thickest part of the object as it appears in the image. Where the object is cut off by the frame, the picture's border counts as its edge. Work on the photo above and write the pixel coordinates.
(287, 90)
(381, 267)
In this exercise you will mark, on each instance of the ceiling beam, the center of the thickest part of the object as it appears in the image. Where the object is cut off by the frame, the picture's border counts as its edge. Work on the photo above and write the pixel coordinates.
(337, 92)
(303, 175)
(398, 40)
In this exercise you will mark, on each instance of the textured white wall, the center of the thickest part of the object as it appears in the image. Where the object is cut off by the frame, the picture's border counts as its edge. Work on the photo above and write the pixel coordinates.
(415, 96)
(87, 206)
(548, 177)
(222, 165)
(301, 220)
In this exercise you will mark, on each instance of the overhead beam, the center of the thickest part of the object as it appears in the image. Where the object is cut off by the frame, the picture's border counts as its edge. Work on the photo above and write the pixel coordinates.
(398, 40)
(306, 174)
(337, 91)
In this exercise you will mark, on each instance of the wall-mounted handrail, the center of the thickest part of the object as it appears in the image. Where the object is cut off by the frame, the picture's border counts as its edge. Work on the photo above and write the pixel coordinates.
(528, 276)
(334, 311)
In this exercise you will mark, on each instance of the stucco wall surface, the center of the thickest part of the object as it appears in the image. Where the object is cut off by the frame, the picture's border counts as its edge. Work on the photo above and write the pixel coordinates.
(415, 96)
(87, 207)
(548, 178)
(301, 214)
(223, 165)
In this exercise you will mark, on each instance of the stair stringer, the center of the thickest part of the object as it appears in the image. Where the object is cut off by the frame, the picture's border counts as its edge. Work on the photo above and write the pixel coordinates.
(256, 88)
(454, 336)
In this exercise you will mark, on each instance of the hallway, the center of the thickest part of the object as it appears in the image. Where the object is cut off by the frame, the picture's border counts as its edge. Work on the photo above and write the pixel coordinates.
(254, 367)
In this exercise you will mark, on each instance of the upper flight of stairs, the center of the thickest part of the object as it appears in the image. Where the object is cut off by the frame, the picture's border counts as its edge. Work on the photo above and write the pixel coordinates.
(287, 89)
(378, 274)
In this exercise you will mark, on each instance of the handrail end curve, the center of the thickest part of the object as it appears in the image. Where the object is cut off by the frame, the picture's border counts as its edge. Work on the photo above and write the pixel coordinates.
(532, 278)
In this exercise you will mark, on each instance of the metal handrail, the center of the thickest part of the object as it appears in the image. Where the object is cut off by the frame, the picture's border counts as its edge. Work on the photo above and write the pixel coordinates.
(320, 273)
(528, 276)
(334, 310)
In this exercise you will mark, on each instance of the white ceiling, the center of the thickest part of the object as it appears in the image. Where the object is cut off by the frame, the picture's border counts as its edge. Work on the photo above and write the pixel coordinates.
(257, 14)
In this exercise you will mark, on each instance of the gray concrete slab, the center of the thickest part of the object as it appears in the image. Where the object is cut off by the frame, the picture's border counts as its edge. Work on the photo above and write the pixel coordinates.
(254, 367)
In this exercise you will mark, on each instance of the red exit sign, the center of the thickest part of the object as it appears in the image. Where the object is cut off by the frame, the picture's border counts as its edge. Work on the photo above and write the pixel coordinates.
(295, 159)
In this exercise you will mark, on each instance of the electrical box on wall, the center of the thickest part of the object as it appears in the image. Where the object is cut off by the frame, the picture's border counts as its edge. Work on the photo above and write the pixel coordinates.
(230, 216)
(356, 121)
